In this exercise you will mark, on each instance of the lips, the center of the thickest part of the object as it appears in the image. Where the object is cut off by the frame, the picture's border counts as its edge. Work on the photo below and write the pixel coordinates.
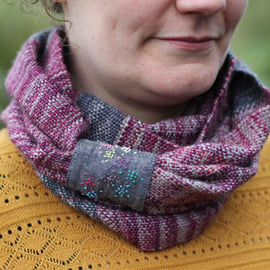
(190, 43)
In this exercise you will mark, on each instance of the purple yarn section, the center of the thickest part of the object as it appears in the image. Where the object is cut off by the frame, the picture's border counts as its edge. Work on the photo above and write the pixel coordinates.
(201, 157)
(147, 232)
(157, 232)
(43, 119)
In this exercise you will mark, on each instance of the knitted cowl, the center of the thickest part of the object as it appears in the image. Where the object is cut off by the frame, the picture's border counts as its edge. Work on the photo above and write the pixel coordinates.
(159, 184)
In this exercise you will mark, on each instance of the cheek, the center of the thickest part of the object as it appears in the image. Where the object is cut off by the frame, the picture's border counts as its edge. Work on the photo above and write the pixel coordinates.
(134, 18)
(235, 12)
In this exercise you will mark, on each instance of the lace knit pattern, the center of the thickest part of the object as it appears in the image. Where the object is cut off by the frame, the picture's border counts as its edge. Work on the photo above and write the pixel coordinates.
(38, 231)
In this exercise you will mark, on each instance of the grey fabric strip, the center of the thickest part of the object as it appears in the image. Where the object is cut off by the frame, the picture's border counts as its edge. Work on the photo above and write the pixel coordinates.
(103, 172)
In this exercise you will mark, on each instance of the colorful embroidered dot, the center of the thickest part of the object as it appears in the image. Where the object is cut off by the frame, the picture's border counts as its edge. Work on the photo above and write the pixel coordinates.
(122, 191)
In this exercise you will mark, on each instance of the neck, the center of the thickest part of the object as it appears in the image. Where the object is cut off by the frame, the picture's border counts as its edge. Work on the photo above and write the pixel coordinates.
(142, 111)
(145, 111)
(149, 114)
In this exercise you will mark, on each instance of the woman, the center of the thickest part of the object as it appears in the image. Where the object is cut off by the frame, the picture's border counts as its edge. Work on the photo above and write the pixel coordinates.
(137, 115)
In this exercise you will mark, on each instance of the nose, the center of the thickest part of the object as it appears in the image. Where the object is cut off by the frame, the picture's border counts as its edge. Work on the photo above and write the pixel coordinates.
(205, 7)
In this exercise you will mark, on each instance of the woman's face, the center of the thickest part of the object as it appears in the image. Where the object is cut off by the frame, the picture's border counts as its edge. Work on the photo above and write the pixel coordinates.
(147, 54)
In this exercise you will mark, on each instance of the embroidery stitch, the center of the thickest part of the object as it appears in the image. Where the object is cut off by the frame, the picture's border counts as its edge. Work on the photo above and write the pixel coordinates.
(121, 176)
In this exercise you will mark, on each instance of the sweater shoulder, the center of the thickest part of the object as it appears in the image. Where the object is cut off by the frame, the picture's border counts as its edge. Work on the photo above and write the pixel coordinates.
(8, 151)
(14, 167)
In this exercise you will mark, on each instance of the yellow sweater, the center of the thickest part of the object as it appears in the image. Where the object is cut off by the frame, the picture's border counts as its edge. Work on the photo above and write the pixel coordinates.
(38, 231)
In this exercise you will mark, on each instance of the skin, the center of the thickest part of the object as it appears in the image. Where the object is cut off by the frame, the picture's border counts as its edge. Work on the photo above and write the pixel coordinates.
(148, 58)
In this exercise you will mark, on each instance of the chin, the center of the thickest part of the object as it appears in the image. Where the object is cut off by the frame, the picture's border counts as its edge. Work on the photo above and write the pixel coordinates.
(191, 79)
(182, 91)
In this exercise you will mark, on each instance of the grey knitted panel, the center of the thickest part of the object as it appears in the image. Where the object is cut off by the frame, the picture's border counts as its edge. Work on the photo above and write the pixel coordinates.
(104, 119)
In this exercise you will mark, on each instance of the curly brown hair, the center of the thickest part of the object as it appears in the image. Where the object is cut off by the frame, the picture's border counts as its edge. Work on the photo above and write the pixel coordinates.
(56, 7)
(49, 5)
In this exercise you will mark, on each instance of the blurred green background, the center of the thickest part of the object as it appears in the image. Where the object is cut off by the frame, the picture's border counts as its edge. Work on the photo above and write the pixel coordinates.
(251, 42)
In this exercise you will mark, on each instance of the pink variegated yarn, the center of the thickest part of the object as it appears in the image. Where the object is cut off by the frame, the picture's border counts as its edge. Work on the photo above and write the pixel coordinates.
(200, 157)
